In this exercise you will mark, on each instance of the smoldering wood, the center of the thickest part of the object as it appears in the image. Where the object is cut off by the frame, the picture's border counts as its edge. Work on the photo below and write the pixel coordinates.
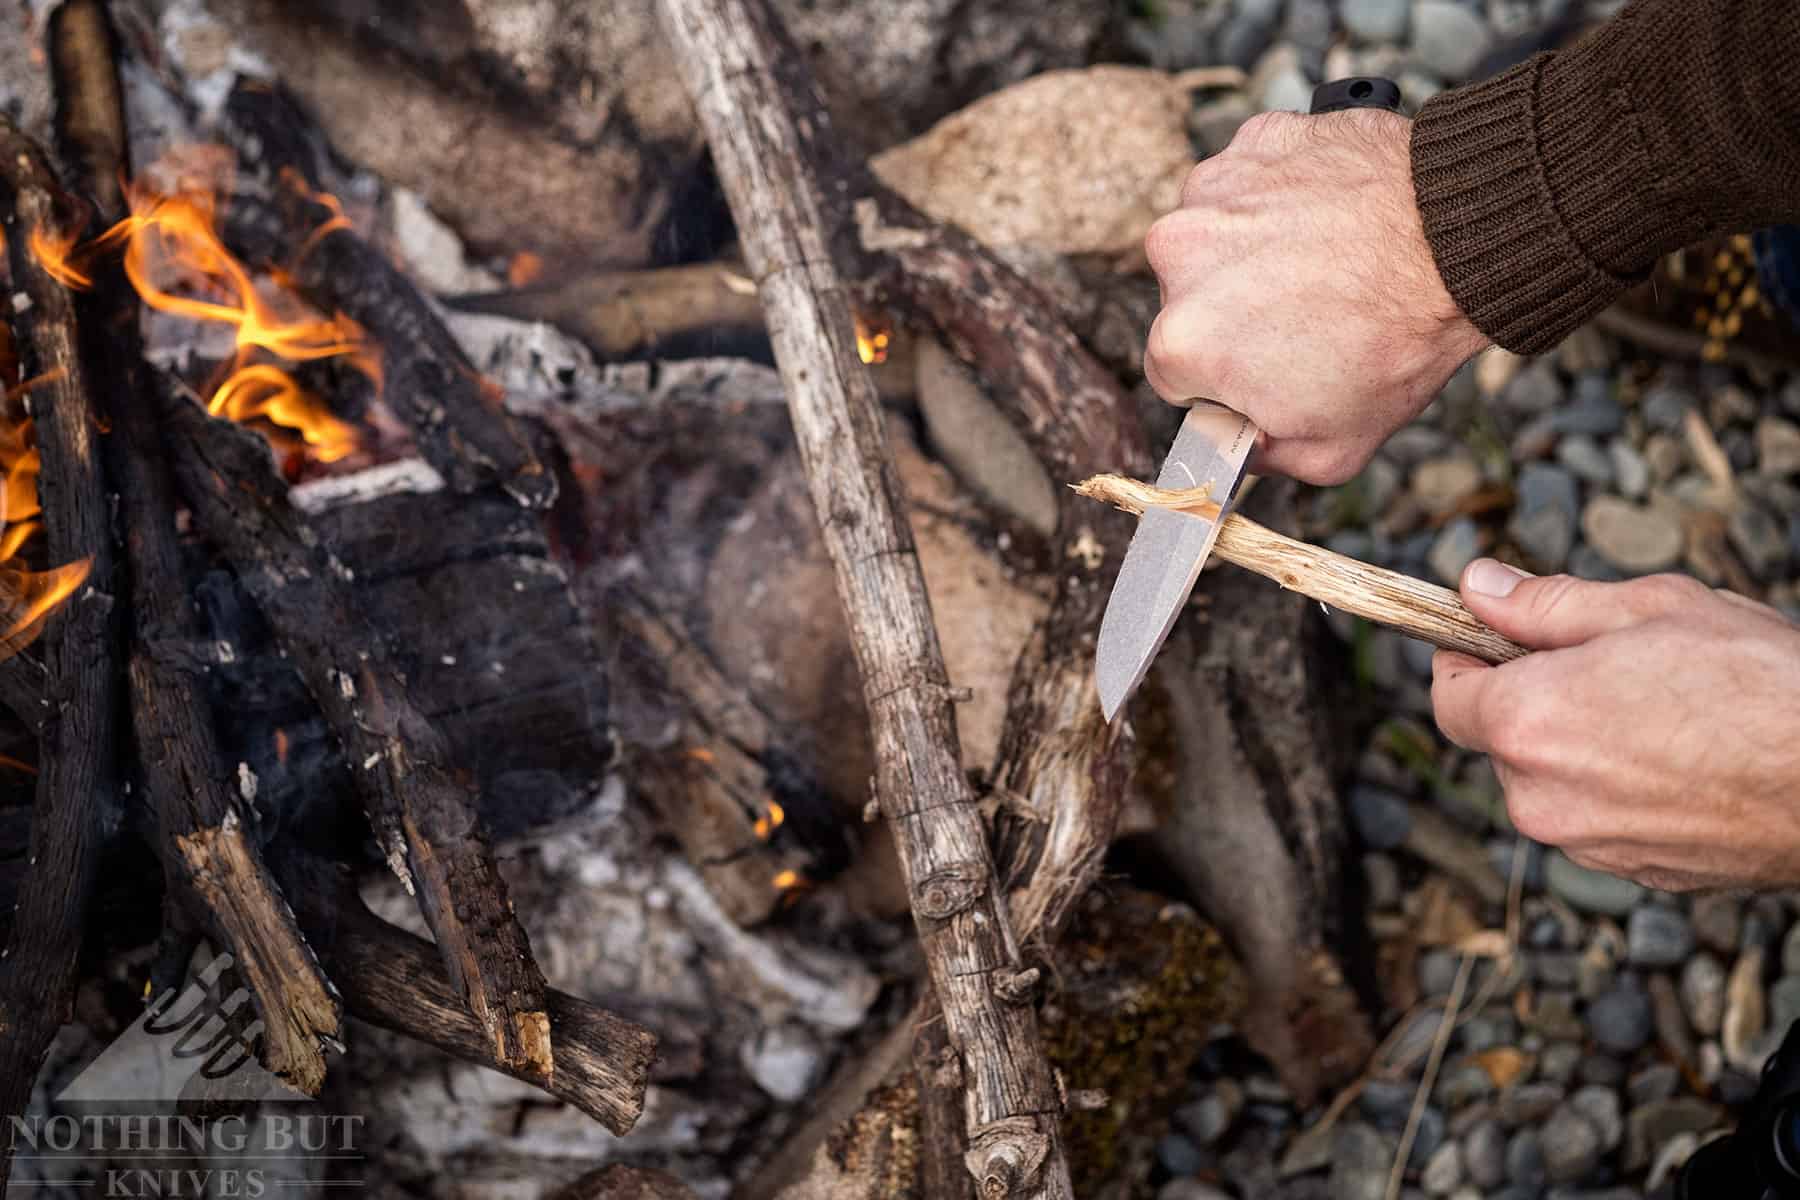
(421, 801)
(24, 686)
(495, 648)
(212, 867)
(78, 736)
(277, 219)
(725, 54)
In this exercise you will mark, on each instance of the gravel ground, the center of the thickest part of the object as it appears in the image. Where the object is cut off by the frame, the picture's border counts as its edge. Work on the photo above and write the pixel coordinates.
(1629, 1025)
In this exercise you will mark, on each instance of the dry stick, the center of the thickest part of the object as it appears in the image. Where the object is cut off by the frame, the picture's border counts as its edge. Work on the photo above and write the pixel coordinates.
(212, 866)
(1424, 610)
(1439, 1044)
(393, 979)
(422, 805)
(724, 55)
(77, 752)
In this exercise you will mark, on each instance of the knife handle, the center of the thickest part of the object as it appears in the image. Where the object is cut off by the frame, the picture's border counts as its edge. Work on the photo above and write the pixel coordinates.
(1357, 91)
(1412, 606)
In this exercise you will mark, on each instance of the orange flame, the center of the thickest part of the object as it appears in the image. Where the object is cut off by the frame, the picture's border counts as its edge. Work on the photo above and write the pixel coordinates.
(177, 262)
(54, 251)
(788, 880)
(26, 597)
(770, 821)
(33, 595)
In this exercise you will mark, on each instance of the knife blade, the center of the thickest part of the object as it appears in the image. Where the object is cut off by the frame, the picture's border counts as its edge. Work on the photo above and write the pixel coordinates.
(1169, 548)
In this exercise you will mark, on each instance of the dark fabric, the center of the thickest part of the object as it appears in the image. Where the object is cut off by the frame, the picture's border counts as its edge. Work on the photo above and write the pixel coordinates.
(1548, 189)
(1778, 269)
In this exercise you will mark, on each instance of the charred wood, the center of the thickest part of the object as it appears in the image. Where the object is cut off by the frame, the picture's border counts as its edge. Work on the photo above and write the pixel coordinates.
(459, 420)
(78, 742)
(725, 52)
(213, 867)
(421, 802)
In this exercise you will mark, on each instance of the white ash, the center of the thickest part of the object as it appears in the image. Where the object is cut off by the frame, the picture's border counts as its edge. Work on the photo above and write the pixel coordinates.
(430, 250)
(404, 475)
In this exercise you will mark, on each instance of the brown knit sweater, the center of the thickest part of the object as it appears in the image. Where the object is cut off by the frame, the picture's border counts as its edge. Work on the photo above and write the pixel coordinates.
(1548, 189)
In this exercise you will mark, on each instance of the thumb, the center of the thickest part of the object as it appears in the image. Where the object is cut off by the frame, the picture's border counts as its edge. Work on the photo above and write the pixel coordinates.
(1554, 611)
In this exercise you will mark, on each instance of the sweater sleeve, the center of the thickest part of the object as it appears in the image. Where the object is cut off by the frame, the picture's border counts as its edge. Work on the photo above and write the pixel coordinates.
(1548, 189)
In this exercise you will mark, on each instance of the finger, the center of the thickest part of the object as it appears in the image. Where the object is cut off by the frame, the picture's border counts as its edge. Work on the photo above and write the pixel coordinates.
(1178, 363)
(1554, 611)
(1462, 697)
(1326, 462)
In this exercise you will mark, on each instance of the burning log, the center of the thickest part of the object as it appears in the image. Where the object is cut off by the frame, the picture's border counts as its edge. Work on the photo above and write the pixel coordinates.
(726, 56)
(212, 866)
(459, 420)
(422, 804)
(78, 742)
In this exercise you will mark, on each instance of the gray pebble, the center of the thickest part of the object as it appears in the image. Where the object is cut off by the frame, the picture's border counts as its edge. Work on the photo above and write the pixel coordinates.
(1534, 439)
(1375, 20)
(1242, 41)
(1784, 1002)
(1664, 405)
(1777, 446)
(1571, 1145)
(1554, 1017)
(1602, 1070)
(1583, 455)
(1443, 1172)
(1535, 389)
(1387, 1103)
(1360, 1160)
(1590, 891)
(1631, 471)
(1600, 1105)
(1666, 457)
(1657, 1081)
(1650, 1127)
(1189, 1189)
(1266, 11)
(1381, 879)
(1585, 562)
(1455, 547)
(1760, 539)
(1556, 968)
(1703, 994)
(1658, 937)
(1525, 1159)
(1382, 818)
(1717, 920)
(1591, 408)
(1178, 1155)
(1448, 39)
(1500, 853)
(1205, 1120)
(1559, 1062)
(1462, 1086)
(1489, 1029)
(1621, 1020)
(1543, 520)
(1484, 1155)
(1528, 1103)
(1352, 543)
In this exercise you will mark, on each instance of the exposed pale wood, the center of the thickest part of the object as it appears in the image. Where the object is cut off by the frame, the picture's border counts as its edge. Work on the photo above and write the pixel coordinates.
(393, 979)
(420, 799)
(78, 733)
(725, 53)
(90, 125)
(1423, 610)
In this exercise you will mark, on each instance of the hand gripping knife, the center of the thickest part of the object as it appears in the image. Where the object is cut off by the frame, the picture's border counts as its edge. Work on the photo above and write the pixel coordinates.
(1171, 546)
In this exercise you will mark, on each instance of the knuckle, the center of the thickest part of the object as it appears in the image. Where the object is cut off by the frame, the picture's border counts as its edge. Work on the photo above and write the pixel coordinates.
(1173, 352)
(1660, 593)
(1198, 182)
(1261, 128)
(1532, 816)
(1164, 242)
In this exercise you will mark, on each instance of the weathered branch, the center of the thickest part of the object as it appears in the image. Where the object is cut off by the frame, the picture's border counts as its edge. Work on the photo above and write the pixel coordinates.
(419, 799)
(725, 52)
(77, 746)
(212, 867)
(392, 979)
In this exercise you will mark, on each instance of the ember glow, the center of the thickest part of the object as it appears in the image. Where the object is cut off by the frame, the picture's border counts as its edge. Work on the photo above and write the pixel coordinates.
(871, 341)
(177, 262)
(788, 880)
(770, 821)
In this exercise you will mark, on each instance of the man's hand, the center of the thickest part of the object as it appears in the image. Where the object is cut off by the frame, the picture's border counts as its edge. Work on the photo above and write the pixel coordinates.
(1299, 289)
(1655, 734)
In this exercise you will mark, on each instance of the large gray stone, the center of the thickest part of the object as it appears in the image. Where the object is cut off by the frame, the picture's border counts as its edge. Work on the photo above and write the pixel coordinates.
(1375, 20)
(1449, 39)
(1484, 1155)
(1572, 1146)
(1543, 519)
(1621, 1020)
(1656, 936)
(1455, 547)
(1590, 891)
(1636, 539)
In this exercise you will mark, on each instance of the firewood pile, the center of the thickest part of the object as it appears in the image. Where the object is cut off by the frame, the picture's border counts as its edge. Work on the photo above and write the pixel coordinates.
(537, 552)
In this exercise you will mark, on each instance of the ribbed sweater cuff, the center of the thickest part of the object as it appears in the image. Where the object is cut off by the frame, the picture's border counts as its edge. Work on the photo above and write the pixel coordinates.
(1500, 191)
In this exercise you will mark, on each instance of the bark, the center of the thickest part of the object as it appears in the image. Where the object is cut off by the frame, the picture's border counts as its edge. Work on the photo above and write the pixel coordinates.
(724, 50)
(213, 867)
(393, 979)
(77, 745)
(421, 801)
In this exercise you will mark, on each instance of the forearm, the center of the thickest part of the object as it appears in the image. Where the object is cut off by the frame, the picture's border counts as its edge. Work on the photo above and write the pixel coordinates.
(1548, 189)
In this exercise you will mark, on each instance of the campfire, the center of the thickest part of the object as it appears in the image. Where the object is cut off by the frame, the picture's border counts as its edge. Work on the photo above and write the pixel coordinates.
(527, 626)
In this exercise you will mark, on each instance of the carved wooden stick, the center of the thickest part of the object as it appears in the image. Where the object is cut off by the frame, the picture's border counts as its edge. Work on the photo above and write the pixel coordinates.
(1424, 610)
(724, 51)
